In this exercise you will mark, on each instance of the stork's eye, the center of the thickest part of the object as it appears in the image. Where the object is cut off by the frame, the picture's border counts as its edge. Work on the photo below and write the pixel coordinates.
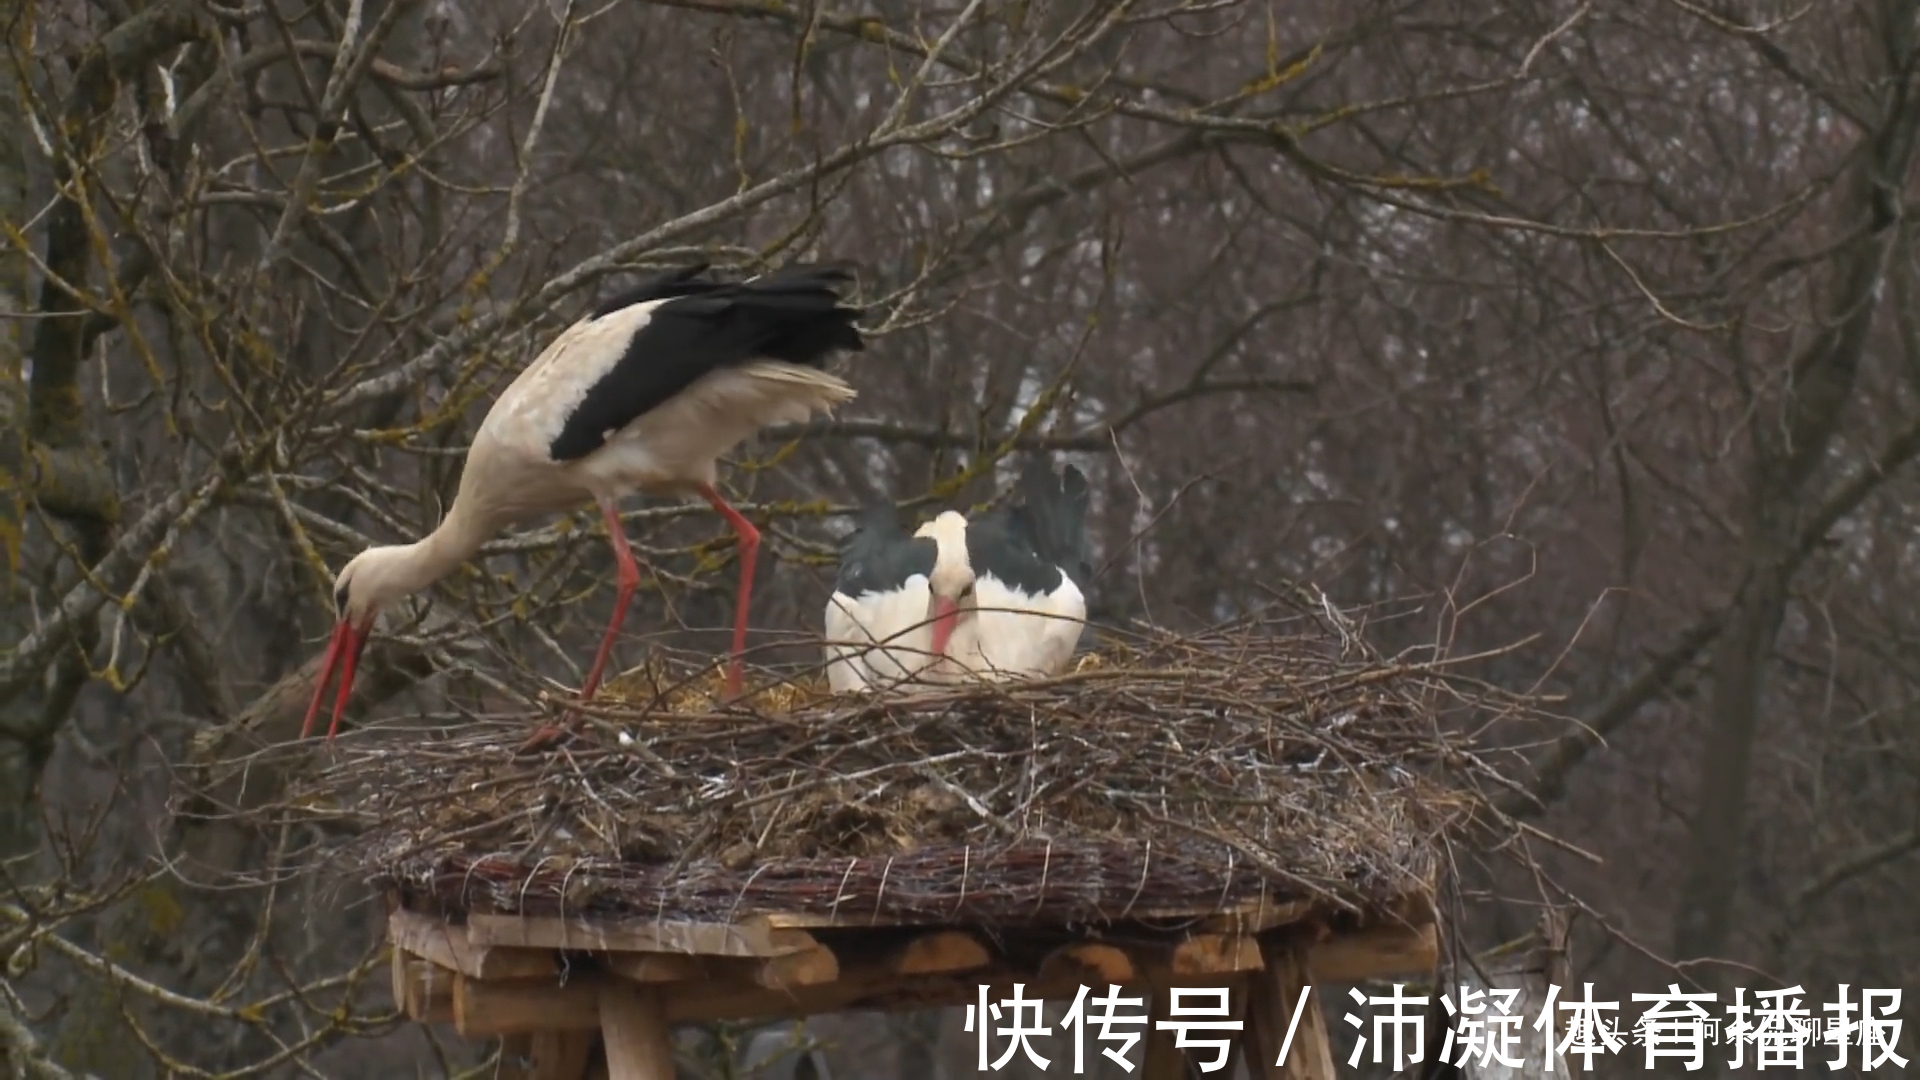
(966, 592)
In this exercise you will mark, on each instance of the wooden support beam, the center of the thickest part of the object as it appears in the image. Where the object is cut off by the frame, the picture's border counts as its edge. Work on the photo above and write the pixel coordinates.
(940, 952)
(1275, 1001)
(794, 970)
(810, 968)
(1088, 963)
(524, 1006)
(860, 986)
(1376, 953)
(448, 945)
(422, 990)
(662, 967)
(1216, 954)
(698, 1002)
(1261, 915)
(397, 976)
(634, 1028)
(527, 1005)
(807, 920)
(660, 936)
(707, 988)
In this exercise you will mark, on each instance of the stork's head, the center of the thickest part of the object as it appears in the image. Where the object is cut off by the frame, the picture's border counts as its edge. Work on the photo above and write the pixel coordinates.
(367, 585)
(952, 579)
(380, 577)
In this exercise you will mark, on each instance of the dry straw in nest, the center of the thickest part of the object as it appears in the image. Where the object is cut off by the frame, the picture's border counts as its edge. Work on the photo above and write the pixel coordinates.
(1167, 773)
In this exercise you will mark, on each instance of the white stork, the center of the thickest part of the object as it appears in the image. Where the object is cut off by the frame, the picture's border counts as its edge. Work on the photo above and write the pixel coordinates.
(642, 395)
(896, 590)
(996, 597)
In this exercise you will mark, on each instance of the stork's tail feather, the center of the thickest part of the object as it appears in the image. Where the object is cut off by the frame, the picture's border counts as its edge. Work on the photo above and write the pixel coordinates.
(686, 281)
(802, 310)
(799, 314)
(811, 389)
(792, 314)
(1052, 511)
(806, 275)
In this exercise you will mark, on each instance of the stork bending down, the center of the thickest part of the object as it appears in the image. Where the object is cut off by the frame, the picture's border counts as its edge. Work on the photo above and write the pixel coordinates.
(642, 395)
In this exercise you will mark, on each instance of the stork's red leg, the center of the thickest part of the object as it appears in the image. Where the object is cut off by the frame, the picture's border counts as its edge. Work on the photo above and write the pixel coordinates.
(629, 580)
(749, 556)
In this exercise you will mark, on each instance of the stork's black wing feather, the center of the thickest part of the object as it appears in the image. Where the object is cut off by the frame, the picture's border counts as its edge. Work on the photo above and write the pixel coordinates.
(685, 281)
(998, 546)
(792, 315)
(879, 556)
(1050, 515)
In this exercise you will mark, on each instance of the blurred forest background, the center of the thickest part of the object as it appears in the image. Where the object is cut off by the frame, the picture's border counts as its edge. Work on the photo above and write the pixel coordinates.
(1587, 326)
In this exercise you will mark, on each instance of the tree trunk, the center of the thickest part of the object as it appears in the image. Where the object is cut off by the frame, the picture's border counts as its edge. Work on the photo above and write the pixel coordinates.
(1788, 450)
(16, 817)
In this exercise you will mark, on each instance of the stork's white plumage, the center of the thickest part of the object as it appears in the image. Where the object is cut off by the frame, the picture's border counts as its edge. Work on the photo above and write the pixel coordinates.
(1011, 633)
(1027, 611)
(893, 604)
(642, 395)
(996, 597)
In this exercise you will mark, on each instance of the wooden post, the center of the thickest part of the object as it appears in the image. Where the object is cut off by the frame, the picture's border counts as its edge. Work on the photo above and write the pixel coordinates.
(1277, 993)
(634, 1027)
(545, 1055)
(397, 974)
(561, 1055)
(423, 991)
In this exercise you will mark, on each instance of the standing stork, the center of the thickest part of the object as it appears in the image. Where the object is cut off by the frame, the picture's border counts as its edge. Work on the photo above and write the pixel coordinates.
(998, 596)
(642, 395)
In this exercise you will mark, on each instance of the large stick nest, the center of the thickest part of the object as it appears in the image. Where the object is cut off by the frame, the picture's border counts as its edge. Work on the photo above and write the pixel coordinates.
(1273, 763)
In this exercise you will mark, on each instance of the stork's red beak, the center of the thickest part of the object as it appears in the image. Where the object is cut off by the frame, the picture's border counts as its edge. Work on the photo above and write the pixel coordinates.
(945, 614)
(343, 652)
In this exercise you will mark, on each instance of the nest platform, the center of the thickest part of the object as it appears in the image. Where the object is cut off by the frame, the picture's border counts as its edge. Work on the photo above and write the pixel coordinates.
(1261, 809)
(578, 998)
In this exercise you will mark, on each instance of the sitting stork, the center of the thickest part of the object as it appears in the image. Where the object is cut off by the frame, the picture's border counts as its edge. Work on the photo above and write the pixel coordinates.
(894, 590)
(644, 394)
(995, 597)
(1028, 607)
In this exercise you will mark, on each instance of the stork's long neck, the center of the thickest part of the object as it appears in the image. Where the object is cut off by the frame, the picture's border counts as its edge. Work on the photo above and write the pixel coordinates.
(439, 553)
